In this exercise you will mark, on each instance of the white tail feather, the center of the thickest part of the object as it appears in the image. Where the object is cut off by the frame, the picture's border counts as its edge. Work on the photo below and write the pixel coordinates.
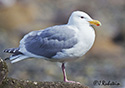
(14, 57)
(18, 58)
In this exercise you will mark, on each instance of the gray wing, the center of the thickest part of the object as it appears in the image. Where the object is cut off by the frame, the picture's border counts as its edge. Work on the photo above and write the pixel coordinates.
(50, 41)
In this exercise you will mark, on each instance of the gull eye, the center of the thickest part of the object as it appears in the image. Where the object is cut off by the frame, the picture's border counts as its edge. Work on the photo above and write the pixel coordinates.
(82, 17)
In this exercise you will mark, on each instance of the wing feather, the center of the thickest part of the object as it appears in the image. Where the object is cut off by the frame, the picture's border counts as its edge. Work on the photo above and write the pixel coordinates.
(49, 41)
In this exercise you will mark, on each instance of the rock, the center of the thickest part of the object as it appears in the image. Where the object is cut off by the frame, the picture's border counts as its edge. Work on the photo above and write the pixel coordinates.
(6, 82)
(3, 70)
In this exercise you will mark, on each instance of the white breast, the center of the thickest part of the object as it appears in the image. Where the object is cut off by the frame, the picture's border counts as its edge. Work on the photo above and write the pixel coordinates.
(85, 41)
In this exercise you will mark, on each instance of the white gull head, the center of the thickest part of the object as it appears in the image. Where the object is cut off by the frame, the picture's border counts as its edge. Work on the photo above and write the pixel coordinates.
(79, 18)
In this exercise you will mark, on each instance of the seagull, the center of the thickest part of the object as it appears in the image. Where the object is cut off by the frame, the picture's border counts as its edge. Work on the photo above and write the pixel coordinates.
(60, 43)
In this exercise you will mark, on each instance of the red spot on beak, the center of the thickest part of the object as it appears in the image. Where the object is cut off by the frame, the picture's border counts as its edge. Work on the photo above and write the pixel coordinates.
(98, 24)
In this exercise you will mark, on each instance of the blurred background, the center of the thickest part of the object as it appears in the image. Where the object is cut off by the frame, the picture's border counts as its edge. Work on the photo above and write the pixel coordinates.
(105, 61)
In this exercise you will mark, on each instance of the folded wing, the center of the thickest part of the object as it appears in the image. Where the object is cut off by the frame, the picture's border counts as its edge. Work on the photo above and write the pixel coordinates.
(48, 42)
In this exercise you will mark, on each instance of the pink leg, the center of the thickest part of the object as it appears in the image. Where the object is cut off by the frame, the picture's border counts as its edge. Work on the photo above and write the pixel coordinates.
(64, 75)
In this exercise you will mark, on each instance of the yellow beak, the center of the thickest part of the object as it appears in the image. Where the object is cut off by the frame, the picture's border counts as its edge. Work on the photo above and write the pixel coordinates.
(95, 22)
